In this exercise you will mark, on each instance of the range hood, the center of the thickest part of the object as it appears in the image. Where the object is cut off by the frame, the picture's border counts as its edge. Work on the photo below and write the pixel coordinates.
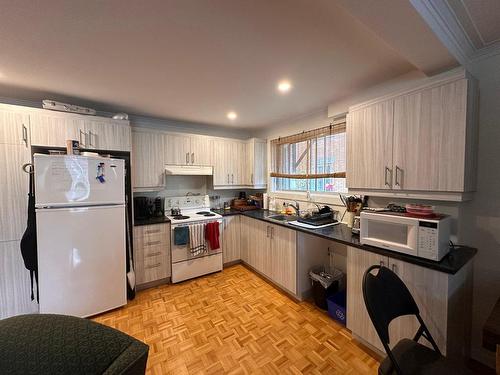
(188, 170)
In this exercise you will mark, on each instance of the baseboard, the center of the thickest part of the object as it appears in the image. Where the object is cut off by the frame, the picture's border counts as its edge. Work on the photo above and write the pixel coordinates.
(232, 263)
(152, 284)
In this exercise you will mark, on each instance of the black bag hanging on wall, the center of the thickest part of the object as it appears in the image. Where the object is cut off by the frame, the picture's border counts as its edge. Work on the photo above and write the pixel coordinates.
(28, 242)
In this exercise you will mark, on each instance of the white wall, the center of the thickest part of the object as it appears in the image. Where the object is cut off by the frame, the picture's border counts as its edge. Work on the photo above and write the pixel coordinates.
(480, 219)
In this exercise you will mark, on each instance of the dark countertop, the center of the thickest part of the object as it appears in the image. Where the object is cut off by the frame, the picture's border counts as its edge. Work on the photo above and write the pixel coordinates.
(223, 212)
(451, 263)
(491, 329)
(151, 221)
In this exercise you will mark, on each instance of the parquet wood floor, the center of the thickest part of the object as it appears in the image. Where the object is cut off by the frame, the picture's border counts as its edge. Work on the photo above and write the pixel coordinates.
(236, 323)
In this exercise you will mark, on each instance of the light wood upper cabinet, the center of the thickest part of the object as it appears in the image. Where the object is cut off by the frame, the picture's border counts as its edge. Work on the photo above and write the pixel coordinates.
(147, 160)
(421, 143)
(201, 152)
(231, 248)
(229, 161)
(177, 149)
(108, 134)
(369, 146)
(53, 129)
(256, 160)
(430, 138)
(14, 128)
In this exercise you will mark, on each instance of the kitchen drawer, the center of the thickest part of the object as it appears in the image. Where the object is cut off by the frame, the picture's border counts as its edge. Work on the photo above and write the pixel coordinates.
(151, 230)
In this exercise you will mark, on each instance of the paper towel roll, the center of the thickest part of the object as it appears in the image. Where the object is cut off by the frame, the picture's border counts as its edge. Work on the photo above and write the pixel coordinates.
(265, 198)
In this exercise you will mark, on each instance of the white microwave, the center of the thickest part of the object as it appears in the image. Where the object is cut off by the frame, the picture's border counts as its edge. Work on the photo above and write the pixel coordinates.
(422, 237)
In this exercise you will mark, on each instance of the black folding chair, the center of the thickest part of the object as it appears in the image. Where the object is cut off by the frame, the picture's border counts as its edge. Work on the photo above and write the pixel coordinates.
(386, 298)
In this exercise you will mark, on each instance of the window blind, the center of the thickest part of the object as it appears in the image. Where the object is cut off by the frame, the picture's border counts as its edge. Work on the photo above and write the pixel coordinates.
(314, 154)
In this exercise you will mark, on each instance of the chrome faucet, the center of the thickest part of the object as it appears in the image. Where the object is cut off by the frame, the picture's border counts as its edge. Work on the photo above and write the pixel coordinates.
(295, 207)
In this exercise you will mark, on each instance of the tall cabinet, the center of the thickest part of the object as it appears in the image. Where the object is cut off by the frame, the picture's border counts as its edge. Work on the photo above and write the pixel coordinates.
(14, 152)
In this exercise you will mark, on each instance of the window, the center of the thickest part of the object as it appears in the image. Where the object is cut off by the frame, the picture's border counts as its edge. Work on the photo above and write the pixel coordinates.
(312, 161)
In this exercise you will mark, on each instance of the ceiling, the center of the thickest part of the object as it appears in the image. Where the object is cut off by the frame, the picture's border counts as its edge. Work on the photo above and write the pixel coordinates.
(196, 60)
(480, 20)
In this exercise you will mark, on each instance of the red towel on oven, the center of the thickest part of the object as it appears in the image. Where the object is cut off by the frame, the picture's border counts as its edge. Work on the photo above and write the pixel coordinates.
(212, 235)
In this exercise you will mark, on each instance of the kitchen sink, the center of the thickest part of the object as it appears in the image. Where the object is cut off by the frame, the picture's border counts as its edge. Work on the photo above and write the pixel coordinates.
(285, 218)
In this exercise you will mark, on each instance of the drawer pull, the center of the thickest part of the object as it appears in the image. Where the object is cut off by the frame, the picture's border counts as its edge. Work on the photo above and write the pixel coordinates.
(153, 266)
(152, 231)
(153, 254)
(151, 243)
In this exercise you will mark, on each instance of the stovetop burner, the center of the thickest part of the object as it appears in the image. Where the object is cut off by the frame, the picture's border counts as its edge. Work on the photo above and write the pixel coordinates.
(209, 214)
(202, 213)
(180, 217)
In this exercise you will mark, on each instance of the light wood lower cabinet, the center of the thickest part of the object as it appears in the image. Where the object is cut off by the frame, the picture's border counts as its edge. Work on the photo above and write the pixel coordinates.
(231, 248)
(15, 287)
(152, 253)
(271, 250)
(443, 301)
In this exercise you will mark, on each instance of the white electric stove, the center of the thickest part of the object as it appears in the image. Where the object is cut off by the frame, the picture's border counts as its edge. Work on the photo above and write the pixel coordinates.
(186, 263)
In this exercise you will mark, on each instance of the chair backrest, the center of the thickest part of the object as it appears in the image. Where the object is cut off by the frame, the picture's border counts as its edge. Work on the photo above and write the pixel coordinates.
(386, 298)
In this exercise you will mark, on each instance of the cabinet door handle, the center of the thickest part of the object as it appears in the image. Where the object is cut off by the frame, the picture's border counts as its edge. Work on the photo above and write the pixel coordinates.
(251, 178)
(187, 157)
(152, 243)
(267, 231)
(82, 142)
(153, 254)
(396, 182)
(386, 171)
(25, 135)
(228, 178)
(394, 268)
(153, 266)
(90, 139)
(272, 232)
(192, 158)
(150, 231)
(232, 178)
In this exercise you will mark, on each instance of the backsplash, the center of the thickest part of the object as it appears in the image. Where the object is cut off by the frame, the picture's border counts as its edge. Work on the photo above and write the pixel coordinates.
(176, 186)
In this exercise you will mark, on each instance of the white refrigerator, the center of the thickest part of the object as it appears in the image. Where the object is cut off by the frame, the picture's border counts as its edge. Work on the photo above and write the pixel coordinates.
(80, 218)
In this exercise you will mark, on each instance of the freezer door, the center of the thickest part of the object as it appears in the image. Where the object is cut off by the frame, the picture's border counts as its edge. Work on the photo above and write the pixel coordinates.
(81, 259)
(70, 180)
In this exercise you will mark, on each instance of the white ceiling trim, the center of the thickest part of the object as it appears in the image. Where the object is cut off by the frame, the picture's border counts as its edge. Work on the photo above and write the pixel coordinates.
(443, 21)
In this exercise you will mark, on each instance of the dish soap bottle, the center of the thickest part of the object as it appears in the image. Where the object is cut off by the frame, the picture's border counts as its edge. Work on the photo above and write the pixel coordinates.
(283, 209)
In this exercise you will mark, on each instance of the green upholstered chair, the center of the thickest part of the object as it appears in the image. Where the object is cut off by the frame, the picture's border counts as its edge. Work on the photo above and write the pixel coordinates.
(59, 344)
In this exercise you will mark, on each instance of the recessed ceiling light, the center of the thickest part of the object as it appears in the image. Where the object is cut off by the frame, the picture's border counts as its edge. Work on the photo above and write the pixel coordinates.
(284, 86)
(232, 115)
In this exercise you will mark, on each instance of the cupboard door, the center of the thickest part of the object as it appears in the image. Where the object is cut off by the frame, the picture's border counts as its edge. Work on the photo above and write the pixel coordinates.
(284, 257)
(15, 287)
(222, 162)
(429, 139)
(177, 149)
(147, 160)
(14, 128)
(429, 288)
(358, 320)
(369, 146)
(231, 239)
(259, 164)
(201, 153)
(14, 187)
(245, 238)
(108, 134)
(55, 130)
(258, 236)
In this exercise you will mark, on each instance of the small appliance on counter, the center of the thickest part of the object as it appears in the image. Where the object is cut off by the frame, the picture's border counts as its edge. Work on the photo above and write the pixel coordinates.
(147, 208)
(425, 237)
